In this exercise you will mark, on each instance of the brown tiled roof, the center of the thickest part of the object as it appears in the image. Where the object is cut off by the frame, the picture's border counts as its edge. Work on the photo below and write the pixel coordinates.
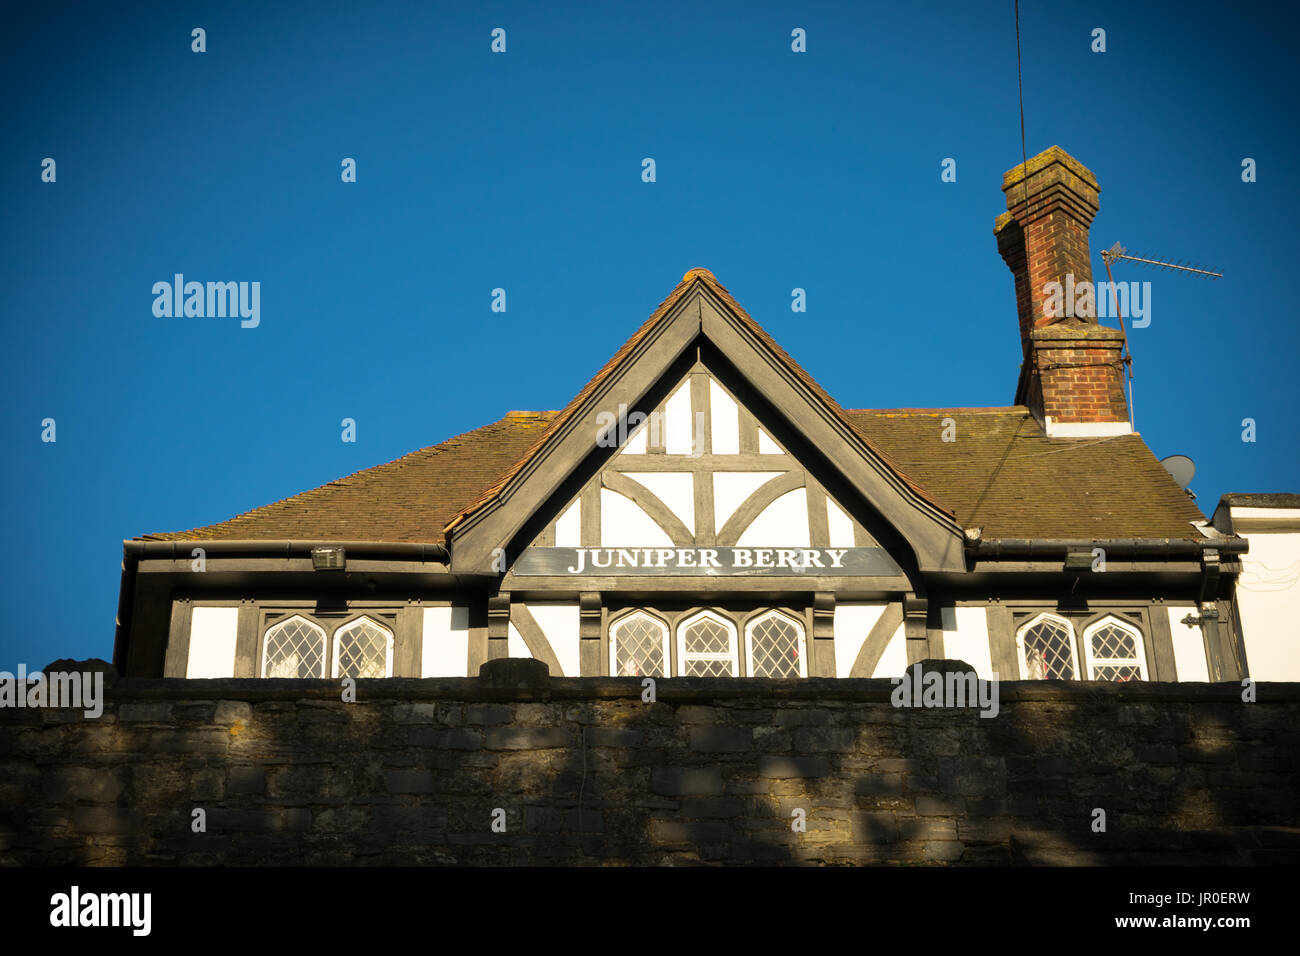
(410, 499)
(1002, 474)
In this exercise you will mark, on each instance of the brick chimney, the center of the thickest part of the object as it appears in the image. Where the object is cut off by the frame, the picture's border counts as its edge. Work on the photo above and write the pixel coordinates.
(1072, 378)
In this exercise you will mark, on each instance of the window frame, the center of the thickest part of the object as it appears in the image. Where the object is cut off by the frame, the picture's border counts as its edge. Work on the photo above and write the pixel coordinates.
(758, 617)
(284, 622)
(1072, 640)
(354, 622)
(659, 622)
(1139, 645)
(733, 642)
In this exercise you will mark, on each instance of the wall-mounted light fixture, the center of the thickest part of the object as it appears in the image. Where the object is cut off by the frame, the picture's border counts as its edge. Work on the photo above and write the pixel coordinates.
(1078, 560)
(328, 559)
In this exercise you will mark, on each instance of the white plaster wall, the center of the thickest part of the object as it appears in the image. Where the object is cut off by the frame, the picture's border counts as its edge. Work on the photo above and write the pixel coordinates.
(444, 650)
(676, 489)
(677, 420)
(1189, 645)
(966, 638)
(766, 446)
(731, 488)
(516, 646)
(893, 663)
(559, 622)
(638, 441)
(213, 633)
(725, 421)
(841, 526)
(853, 622)
(1268, 595)
(623, 523)
(783, 523)
(568, 527)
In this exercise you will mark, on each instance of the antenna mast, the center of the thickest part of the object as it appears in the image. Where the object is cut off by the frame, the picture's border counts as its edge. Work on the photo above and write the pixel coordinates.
(1117, 252)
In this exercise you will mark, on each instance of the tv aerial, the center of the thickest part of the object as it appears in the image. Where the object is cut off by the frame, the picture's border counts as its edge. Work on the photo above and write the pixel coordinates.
(1114, 254)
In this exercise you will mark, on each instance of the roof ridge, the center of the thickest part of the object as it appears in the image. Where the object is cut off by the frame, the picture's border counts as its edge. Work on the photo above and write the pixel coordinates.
(706, 278)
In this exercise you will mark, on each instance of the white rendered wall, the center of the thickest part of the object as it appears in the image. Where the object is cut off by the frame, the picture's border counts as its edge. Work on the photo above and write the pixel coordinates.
(445, 645)
(783, 523)
(516, 646)
(725, 416)
(677, 421)
(568, 527)
(966, 638)
(213, 633)
(853, 622)
(676, 489)
(731, 488)
(893, 663)
(840, 525)
(623, 523)
(1189, 645)
(559, 623)
(1268, 600)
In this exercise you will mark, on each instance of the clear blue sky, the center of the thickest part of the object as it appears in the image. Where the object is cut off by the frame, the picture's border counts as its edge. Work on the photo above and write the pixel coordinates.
(522, 171)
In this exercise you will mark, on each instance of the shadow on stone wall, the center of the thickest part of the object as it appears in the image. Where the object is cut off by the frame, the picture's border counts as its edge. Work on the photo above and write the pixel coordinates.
(715, 771)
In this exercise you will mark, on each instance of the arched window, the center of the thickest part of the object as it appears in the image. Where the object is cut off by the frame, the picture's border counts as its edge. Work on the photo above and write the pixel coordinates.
(294, 648)
(363, 648)
(1046, 647)
(706, 646)
(638, 646)
(1113, 649)
(774, 643)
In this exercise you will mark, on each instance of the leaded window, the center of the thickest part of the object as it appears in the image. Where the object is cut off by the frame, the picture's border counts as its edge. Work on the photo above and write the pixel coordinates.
(1046, 646)
(294, 648)
(706, 646)
(638, 646)
(775, 646)
(1114, 651)
(363, 649)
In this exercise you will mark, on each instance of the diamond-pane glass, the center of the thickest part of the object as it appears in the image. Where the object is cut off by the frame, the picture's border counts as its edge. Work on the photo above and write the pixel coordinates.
(774, 647)
(639, 647)
(295, 648)
(708, 667)
(707, 636)
(1047, 651)
(1112, 642)
(1116, 672)
(1115, 654)
(361, 650)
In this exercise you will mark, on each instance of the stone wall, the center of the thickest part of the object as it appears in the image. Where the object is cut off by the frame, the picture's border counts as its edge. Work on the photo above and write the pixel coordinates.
(713, 771)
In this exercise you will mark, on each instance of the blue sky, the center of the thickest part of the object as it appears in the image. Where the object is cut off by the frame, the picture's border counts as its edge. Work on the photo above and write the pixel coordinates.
(522, 171)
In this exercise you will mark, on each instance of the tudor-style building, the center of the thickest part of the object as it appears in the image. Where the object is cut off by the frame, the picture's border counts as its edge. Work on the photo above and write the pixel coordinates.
(703, 508)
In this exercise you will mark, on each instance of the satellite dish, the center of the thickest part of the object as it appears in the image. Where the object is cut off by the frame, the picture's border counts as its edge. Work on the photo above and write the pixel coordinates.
(1182, 468)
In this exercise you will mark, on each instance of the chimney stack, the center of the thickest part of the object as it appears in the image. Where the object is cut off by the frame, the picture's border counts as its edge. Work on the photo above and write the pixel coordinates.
(1072, 378)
